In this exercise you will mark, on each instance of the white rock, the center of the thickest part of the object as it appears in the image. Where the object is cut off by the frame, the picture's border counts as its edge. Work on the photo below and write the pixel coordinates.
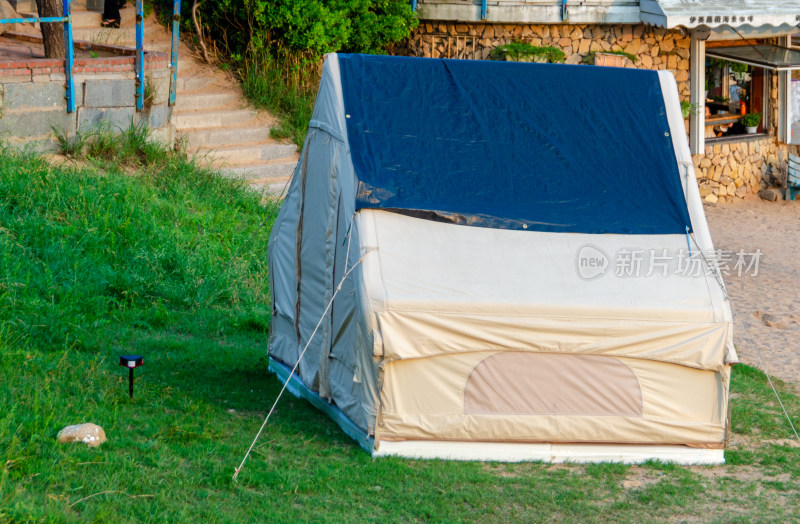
(90, 434)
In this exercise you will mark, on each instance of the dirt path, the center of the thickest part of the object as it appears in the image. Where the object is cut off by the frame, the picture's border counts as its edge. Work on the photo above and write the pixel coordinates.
(766, 306)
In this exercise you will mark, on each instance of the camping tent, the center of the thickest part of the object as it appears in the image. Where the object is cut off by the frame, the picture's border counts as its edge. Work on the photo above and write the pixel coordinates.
(501, 261)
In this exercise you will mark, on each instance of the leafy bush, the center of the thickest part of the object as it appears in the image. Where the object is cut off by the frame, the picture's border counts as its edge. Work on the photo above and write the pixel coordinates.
(246, 28)
(589, 58)
(524, 52)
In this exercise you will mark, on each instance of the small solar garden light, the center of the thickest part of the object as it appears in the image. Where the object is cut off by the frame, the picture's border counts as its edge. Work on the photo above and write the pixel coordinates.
(130, 362)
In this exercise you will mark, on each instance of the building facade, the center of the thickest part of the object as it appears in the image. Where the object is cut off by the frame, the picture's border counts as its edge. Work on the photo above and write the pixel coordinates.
(728, 60)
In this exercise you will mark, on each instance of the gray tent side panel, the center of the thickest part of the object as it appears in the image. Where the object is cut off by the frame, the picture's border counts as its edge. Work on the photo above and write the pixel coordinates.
(317, 246)
(320, 189)
(352, 371)
(316, 224)
(283, 274)
(285, 343)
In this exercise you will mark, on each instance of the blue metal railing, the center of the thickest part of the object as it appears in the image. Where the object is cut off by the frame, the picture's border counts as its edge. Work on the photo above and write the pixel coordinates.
(69, 94)
(139, 55)
(173, 59)
(69, 55)
(140, 78)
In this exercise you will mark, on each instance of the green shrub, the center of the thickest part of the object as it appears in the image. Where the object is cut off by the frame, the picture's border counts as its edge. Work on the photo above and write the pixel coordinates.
(242, 28)
(524, 52)
(589, 58)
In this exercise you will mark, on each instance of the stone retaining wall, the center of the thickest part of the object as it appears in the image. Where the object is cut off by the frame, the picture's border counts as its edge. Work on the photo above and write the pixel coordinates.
(728, 171)
(32, 97)
(655, 48)
(724, 172)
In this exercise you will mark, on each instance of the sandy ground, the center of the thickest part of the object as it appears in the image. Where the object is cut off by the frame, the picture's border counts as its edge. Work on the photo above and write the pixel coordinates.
(766, 307)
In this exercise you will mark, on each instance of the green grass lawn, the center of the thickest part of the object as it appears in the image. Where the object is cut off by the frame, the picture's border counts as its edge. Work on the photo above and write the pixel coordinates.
(159, 257)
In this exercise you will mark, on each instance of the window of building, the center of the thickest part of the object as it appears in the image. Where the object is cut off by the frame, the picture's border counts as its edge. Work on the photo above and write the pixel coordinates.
(732, 90)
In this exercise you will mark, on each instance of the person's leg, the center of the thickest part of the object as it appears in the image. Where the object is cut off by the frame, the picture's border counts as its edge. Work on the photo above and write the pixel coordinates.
(111, 13)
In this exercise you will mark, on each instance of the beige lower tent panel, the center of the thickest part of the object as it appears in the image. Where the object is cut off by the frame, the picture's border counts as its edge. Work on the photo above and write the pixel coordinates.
(554, 453)
(547, 397)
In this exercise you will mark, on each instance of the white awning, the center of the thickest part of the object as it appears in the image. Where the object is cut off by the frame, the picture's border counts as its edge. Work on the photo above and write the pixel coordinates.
(715, 13)
(768, 56)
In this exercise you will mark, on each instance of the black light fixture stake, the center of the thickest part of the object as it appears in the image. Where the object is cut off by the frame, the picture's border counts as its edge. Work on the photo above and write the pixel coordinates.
(130, 362)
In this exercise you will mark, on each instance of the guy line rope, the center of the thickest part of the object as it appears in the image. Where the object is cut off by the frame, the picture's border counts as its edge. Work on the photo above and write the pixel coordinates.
(310, 338)
(715, 271)
(753, 347)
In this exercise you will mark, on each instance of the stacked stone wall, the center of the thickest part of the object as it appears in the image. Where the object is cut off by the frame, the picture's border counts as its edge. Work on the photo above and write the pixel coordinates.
(654, 48)
(732, 170)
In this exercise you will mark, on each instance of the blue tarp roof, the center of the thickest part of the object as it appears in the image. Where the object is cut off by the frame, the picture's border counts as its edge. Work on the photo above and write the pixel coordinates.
(546, 147)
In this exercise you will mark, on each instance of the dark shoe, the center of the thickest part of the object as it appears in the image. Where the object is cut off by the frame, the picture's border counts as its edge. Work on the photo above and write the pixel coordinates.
(111, 24)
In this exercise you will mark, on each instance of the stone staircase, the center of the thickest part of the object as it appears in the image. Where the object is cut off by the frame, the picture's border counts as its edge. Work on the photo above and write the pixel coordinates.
(212, 119)
(211, 116)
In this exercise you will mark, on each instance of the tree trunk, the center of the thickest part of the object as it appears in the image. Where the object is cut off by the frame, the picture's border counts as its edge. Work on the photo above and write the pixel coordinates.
(52, 32)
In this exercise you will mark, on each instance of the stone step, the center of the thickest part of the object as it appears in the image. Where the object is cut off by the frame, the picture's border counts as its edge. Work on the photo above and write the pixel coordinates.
(271, 187)
(195, 119)
(260, 172)
(128, 16)
(250, 154)
(82, 17)
(193, 83)
(193, 101)
(196, 138)
(161, 47)
(185, 63)
(88, 5)
(125, 36)
(26, 6)
(86, 19)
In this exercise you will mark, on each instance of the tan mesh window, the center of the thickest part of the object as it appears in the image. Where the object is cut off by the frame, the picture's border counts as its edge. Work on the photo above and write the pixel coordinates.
(552, 384)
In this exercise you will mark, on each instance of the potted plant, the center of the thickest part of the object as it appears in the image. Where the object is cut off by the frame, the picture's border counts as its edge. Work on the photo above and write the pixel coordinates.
(751, 121)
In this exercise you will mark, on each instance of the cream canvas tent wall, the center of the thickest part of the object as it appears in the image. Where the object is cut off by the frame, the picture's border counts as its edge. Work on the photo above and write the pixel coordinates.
(525, 250)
